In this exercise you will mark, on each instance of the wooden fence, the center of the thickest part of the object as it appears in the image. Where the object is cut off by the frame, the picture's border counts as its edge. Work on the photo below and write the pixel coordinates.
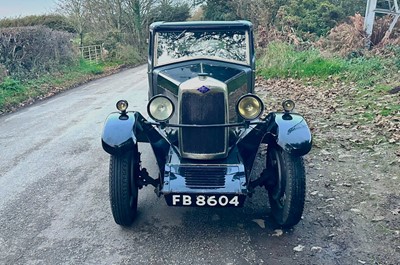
(92, 53)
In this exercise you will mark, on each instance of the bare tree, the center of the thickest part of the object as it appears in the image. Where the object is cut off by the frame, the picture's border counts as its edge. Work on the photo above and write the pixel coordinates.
(125, 20)
(76, 11)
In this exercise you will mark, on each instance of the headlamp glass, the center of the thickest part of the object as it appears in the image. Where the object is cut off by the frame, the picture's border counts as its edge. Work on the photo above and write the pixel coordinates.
(288, 105)
(122, 105)
(160, 108)
(250, 107)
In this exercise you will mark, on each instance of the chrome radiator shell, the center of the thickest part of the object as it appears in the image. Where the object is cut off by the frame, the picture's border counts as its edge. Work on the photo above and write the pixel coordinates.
(203, 101)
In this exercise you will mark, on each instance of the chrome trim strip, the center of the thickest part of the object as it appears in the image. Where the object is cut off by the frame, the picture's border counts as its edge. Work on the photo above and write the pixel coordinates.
(239, 124)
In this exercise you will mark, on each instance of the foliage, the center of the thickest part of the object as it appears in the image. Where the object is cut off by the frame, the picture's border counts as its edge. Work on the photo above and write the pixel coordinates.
(128, 18)
(10, 84)
(55, 22)
(86, 67)
(10, 88)
(304, 16)
(219, 10)
(121, 26)
(347, 39)
(197, 15)
(27, 52)
(126, 55)
(266, 36)
(76, 14)
(259, 12)
(283, 60)
(312, 16)
(3, 72)
(167, 11)
(351, 7)
(394, 52)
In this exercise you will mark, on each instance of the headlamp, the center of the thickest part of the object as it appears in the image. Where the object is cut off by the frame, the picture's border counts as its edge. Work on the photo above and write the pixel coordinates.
(160, 108)
(250, 107)
(288, 105)
(122, 105)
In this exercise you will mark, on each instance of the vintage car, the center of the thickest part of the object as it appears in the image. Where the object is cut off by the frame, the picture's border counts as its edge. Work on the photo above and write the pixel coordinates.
(205, 126)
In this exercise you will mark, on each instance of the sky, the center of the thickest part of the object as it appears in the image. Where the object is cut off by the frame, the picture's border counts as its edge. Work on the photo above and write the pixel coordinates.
(20, 8)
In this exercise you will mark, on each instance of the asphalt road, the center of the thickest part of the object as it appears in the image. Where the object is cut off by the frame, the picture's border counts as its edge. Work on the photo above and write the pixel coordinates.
(54, 206)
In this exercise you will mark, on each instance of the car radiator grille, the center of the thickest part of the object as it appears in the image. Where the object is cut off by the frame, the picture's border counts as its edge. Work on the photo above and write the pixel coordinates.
(204, 177)
(203, 109)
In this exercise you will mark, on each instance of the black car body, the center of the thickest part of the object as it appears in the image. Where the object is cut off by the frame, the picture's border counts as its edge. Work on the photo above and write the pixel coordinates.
(205, 127)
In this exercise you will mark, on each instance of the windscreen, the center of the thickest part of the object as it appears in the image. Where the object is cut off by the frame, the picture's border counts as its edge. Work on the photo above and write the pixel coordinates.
(186, 45)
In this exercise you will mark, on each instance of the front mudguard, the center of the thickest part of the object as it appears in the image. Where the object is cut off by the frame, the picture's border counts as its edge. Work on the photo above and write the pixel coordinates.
(287, 130)
(291, 132)
(119, 133)
(122, 131)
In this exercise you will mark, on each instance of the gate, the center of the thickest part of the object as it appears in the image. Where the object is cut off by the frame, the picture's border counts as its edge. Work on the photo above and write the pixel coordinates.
(92, 53)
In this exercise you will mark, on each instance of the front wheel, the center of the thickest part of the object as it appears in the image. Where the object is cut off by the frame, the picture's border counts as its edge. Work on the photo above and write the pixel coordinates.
(286, 189)
(124, 171)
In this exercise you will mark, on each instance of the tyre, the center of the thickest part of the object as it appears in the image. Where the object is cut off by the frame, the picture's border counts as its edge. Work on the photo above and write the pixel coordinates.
(286, 188)
(124, 171)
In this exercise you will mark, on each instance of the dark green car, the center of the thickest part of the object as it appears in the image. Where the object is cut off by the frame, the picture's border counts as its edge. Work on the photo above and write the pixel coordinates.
(205, 126)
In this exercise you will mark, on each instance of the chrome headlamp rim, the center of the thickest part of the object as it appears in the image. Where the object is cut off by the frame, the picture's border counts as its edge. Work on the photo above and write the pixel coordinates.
(260, 105)
(122, 105)
(149, 108)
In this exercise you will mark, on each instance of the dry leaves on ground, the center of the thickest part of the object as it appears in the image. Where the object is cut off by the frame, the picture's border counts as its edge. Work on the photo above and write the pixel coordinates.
(337, 110)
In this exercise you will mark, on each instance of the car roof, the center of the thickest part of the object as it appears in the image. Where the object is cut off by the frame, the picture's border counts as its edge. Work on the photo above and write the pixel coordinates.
(206, 25)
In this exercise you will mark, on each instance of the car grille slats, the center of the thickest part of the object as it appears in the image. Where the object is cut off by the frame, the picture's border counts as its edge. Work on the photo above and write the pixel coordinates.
(203, 109)
(204, 177)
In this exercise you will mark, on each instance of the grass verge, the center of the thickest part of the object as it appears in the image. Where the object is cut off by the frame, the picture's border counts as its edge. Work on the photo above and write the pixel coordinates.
(282, 60)
(370, 78)
(15, 93)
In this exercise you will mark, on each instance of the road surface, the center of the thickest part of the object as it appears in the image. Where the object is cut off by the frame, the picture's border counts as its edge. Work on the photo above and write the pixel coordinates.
(54, 206)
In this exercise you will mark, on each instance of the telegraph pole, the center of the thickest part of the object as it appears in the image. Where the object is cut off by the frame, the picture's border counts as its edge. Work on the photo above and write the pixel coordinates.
(391, 7)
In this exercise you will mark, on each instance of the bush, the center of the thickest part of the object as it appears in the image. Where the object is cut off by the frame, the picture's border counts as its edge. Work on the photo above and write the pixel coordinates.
(346, 38)
(28, 52)
(126, 54)
(168, 12)
(55, 22)
(219, 10)
(310, 16)
(3, 72)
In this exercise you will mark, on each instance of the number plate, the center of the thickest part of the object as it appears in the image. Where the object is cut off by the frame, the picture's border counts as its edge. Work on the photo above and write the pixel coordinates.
(226, 200)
